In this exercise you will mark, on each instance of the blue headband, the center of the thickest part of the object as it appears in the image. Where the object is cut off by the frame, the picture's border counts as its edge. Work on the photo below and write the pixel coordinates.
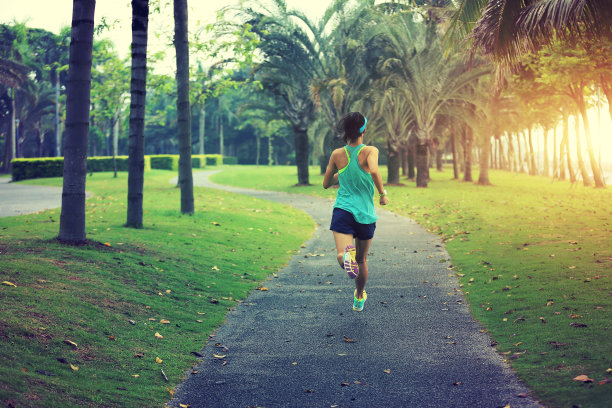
(362, 129)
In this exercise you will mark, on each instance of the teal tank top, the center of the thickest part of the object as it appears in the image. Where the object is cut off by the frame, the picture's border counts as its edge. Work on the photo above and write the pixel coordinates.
(356, 192)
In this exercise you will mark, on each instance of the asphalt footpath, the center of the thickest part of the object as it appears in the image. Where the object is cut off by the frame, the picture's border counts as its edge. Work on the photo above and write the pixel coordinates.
(20, 199)
(300, 344)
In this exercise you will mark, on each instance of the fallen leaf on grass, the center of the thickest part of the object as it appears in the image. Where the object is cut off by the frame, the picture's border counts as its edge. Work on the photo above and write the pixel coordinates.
(215, 268)
(457, 383)
(542, 319)
(159, 336)
(388, 371)
(604, 381)
(263, 288)
(164, 321)
(7, 283)
(184, 405)
(158, 360)
(135, 375)
(75, 368)
(219, 355)
(345, 384)
(522, 395)
(71, 343)
(216, 224)
(346, 339)
(107, 244)
(583, 378)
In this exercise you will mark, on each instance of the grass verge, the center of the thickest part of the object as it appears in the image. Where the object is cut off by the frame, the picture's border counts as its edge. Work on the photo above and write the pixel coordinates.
(177, 277)
(534, 259)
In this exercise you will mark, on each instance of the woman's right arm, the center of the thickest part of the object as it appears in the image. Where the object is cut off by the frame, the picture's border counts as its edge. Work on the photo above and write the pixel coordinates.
(376, 177)
(330, 178)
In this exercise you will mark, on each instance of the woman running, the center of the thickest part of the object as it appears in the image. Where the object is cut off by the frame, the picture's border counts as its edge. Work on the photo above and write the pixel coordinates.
(354, 216)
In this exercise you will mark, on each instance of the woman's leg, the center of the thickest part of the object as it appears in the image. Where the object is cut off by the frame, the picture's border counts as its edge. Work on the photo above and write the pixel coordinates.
(362, 261)
(342, 240)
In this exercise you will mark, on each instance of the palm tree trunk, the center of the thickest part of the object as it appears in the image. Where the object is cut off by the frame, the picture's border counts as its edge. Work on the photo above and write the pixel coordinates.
(393, 164)
(404, 150)
(301, 155)
(181, 44)
(533, 170)
(570, 168)
(72, 218)
(546, 171)
(586, 181)
(422, 176)
(258, 149)
(595, 169)
(116, 141)
(201, 128)
(138, 92)
(411, 161)
(485, 151)
(454, 149)
(555, 162)
(467, 153)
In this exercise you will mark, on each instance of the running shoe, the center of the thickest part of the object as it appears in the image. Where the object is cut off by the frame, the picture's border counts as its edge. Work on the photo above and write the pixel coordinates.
(358, 303)
(350, 261)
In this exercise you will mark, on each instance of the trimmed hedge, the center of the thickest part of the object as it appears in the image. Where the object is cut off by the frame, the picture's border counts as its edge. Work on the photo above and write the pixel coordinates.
(54, 166)
(36, 168)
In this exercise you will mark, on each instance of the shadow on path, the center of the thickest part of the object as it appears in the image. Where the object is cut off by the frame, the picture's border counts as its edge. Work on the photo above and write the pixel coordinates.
(414, 345)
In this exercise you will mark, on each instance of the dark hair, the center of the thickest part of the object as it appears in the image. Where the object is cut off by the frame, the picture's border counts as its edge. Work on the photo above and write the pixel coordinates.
(350, 124)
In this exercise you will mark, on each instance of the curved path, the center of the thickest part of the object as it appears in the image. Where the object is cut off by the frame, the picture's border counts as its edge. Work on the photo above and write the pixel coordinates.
(20, 199)
(414, 345)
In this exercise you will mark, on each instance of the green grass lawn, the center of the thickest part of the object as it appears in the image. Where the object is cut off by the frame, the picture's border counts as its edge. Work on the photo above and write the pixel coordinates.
(534, 259)
(177, 278)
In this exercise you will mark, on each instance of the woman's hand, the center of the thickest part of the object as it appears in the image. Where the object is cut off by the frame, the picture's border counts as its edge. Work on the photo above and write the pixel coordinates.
(384, 200)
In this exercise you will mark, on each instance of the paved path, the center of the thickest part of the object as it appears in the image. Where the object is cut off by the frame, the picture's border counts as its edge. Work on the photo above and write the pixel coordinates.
(20, 199)
(286, 347)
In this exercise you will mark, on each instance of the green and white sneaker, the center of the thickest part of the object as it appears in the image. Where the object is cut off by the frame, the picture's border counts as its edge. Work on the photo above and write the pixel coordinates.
(358, 303)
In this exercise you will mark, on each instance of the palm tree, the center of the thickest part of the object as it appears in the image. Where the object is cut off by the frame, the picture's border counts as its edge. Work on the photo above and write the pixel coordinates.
(181, 44)
(417, 64)
(72, 218)
(138, 92)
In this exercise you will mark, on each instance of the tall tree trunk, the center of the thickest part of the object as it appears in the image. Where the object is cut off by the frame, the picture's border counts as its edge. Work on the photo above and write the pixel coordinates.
(301, 155)
(606, 87)
(570, 168)
(9, 141)
(546, 171)
(595, 168)
(57, 128)
(404, 150)
(202, 128)
(586, 181)
(454, 149)
(467, 153)
(181, 44)
(439, 164)
(422, 163)
(72, 218)
(138, 92)
(393, 164)
(485, 151)
(270, 152)
(221, 141)
(555, 162)
(258, 149)
(533, 170)
(411, 161)
(520, 159)
(116, 141)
